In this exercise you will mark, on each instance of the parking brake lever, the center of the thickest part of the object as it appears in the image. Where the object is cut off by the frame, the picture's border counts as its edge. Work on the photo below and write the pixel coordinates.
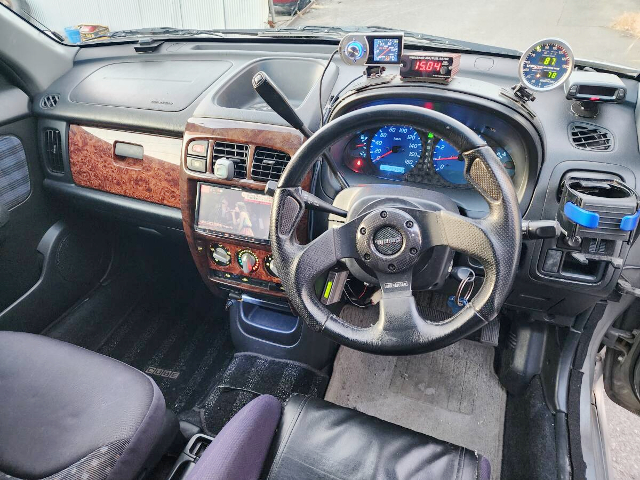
(274, 97)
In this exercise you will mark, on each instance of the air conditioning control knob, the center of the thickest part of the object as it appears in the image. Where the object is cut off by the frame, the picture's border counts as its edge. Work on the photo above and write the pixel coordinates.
(248, 261)
(220, 255)
(270, 266)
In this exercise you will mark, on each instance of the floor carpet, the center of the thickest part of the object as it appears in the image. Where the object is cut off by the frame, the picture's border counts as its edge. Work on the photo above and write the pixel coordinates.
(178, 333)
(250, 375)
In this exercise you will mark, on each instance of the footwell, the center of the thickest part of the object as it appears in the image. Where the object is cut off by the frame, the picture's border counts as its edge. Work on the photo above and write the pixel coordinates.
(250, 375)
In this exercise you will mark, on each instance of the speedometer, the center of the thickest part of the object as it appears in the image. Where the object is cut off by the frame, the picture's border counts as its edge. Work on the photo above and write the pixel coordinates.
(546, 65)
(395, 149)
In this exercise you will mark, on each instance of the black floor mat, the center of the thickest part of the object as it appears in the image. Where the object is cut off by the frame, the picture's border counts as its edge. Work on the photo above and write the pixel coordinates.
(177, 332)
(184, 347)
(249, 375)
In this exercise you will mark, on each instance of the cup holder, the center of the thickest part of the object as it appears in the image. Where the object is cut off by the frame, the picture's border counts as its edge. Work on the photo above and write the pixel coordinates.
(598, 208)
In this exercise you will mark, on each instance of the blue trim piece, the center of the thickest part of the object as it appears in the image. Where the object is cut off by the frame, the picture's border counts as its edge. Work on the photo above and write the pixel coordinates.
(581, 216)
(630, 222)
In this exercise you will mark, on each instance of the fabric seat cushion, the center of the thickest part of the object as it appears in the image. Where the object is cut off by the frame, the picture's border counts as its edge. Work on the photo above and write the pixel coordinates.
(238, 452)
(70, 412)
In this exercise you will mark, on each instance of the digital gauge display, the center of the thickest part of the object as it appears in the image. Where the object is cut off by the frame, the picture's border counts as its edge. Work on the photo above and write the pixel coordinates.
(546, 65)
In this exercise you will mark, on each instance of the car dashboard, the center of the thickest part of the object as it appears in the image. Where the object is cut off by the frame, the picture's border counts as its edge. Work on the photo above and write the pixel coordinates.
(122, 143)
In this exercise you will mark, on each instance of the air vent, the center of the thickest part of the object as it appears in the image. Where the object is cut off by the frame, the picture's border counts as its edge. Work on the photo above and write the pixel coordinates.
(49, 101)
(268, 164)
(238, 153)
(53, 150)
(587, 136)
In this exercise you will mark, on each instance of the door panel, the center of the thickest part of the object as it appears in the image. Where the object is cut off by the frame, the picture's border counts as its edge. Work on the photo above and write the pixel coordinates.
(29, 215)
(622, 360)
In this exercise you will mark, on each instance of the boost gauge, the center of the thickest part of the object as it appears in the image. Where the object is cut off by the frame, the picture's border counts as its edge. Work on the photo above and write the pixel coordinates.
(545, 65)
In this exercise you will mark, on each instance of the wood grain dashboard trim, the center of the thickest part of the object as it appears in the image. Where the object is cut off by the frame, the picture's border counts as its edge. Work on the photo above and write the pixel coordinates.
(154, 178)
(285, 139)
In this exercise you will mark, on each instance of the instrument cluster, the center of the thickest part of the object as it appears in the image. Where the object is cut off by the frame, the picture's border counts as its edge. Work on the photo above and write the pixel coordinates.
(397, 152)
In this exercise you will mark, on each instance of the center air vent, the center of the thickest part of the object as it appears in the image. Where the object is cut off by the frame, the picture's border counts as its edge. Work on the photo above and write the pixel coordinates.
(268, 164)
(53, 150)
(587, 136)
(238, 153)
(49, 101)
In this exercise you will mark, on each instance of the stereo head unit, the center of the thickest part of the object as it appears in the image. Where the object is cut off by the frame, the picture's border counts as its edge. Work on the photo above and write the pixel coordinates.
(233, 213)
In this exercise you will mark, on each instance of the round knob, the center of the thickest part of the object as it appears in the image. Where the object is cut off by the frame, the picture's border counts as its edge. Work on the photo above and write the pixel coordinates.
(248, 261)
(220, 255)
(270, 266)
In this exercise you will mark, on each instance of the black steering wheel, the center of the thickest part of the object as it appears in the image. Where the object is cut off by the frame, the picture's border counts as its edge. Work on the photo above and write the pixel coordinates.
(390, 238)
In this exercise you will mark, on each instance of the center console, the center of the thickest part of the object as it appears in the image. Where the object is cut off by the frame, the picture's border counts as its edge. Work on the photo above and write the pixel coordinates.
(226, 220)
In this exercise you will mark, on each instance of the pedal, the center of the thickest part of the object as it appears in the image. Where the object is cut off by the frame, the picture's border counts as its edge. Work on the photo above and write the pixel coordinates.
(490, 332)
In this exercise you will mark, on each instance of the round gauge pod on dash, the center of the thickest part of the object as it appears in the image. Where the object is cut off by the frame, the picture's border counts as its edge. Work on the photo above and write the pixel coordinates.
(545, 65)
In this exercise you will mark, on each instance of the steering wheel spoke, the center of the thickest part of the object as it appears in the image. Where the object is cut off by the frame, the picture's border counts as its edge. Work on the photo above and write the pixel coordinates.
(462, 234)
(326, 250)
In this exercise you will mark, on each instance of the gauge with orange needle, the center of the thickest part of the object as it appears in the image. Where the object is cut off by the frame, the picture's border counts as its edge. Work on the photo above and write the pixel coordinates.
(395, 150)
(449, 165)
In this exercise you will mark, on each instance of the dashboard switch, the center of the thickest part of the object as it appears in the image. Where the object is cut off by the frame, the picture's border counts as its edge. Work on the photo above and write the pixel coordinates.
(197, 164)
(198, 148)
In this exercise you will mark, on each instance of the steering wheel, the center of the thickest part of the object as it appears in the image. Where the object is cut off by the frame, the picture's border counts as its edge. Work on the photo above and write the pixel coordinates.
(390, 238)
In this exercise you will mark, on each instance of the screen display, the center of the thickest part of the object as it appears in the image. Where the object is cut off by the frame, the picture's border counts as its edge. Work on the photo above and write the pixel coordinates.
(426, 65)
(240, 213)
(386, 50)
(551, 61)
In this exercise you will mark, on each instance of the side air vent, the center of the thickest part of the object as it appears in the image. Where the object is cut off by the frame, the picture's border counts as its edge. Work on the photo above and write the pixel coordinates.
(587, 136)
(49, 101)
(268, 164)
(238, 153)
(53, 150)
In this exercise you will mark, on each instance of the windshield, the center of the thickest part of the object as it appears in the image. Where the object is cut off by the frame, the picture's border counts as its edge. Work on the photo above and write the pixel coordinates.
(599, 31)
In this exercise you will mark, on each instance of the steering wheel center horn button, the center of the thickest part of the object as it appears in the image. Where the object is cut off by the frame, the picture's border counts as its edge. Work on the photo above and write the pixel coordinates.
(389, 240)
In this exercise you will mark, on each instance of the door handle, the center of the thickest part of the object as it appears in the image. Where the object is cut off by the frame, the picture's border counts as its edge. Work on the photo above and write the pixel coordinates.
(128, 150)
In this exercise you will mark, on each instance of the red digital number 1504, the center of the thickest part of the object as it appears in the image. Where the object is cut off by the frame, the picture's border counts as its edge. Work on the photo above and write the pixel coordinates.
(426, 66)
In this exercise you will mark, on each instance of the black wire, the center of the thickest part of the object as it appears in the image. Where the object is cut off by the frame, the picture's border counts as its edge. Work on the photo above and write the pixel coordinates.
(326, 67)
(336, 97)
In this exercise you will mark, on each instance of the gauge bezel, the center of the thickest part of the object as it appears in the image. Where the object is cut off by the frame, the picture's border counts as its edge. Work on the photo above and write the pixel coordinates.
(529, 50)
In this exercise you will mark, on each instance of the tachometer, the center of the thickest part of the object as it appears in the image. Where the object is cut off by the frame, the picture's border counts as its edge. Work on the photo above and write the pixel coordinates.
(546, 65)
(448, 165)
(395, 150)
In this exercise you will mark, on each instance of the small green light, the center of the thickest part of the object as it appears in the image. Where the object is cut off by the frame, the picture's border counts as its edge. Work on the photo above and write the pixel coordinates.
(430, 135)
(327, 289)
